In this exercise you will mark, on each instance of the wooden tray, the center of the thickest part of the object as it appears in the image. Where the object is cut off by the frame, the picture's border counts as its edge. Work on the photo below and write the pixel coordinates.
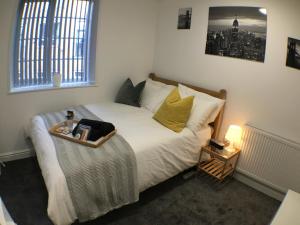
(69, 137)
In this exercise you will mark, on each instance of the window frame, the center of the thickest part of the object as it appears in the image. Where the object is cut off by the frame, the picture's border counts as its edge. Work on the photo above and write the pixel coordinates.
(91, 82)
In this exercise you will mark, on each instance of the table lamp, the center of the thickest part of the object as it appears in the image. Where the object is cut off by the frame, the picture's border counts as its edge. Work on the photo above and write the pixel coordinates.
(233, 136)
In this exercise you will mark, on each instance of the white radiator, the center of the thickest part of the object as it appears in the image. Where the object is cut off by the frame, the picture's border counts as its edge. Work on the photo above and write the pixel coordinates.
(270, 159)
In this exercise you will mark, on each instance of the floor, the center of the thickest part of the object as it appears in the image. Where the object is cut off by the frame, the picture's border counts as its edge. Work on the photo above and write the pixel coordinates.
(197, 200)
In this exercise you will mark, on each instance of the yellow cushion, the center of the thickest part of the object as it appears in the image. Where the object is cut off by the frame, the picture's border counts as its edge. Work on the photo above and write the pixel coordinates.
(174, 112)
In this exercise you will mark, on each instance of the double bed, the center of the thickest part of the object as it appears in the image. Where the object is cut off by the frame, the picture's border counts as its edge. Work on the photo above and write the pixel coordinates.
(160, 153)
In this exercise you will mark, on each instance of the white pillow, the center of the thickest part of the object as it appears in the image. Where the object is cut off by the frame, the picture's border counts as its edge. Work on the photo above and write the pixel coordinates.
(200, 114)
(205, 108)
(154, 94)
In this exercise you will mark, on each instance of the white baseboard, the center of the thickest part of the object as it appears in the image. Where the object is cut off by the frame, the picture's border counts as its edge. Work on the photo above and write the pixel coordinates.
(259, 185)
(22, 154)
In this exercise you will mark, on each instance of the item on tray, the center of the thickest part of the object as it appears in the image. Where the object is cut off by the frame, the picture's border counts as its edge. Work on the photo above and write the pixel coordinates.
(98, 129)
(70, 115)
(66, 131)
(60, 129)
(83, 131)
(69, 121)
(77, 136)
(69, 125)
(84, 135)
(63, 130)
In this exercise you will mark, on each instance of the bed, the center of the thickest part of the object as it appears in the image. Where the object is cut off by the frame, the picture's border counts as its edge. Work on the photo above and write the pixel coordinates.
(160, 153)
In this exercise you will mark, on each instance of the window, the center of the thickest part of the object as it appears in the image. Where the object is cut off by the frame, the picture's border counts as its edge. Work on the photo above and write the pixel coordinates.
(54, 36)
(80, 43)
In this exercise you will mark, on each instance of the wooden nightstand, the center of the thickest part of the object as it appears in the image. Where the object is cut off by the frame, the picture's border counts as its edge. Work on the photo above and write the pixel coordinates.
(221, 164)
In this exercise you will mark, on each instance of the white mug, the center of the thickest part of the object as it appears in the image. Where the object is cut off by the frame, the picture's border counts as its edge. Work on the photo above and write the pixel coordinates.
(56, 79)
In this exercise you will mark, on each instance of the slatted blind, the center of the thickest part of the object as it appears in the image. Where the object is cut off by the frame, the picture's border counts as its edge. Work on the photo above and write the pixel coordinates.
(53, 37)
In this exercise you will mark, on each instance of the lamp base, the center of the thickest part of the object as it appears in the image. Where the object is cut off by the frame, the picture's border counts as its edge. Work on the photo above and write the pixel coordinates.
(230, 148)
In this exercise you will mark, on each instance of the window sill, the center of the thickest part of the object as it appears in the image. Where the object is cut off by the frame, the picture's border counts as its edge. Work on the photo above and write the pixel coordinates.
(51, 88)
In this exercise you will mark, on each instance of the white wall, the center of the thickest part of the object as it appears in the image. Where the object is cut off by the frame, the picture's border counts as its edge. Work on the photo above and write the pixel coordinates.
(125, 47)
(263, 94)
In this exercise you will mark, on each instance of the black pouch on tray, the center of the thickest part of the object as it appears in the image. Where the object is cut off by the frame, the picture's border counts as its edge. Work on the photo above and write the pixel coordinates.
(98, 128)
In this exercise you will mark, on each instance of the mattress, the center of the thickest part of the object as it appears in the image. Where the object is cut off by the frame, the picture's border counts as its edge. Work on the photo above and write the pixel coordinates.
(160, 152)
(5, 218)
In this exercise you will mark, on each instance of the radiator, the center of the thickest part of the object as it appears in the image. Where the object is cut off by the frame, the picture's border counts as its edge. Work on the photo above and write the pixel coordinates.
(270, 159)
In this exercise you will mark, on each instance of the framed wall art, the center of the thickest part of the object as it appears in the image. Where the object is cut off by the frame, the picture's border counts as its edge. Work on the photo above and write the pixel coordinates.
(293, 53)
(184, 19)
(238, 32)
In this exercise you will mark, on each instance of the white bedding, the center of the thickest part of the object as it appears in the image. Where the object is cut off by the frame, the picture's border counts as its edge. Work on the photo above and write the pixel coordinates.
(160, 152)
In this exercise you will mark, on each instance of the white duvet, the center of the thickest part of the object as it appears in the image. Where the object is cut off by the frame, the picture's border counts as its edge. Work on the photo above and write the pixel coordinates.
(5, 218)
(160, 153)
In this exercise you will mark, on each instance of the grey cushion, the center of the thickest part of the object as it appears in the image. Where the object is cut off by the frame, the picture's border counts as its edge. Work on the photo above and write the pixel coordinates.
(130, 95)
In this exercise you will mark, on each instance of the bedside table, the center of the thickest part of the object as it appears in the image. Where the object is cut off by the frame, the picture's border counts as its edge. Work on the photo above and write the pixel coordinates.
(221, 164)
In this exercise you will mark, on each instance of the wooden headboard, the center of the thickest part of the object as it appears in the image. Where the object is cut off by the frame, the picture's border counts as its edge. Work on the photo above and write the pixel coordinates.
(218, 94)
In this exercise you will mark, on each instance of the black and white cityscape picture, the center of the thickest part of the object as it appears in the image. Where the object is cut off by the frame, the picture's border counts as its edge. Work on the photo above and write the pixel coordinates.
(293, 53)
(184, 18)
(238, 32)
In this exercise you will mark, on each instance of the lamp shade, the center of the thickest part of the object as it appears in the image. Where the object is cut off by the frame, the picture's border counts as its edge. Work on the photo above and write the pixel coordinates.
(234, 135)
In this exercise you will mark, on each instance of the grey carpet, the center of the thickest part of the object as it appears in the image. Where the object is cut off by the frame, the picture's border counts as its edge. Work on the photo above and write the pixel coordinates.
(195, 201)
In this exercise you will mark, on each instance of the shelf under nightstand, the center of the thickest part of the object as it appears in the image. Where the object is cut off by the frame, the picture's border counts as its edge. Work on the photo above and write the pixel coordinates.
(221, 164)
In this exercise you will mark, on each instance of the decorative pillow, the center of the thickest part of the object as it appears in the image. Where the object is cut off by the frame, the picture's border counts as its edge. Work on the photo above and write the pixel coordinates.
(200, 113)
(154, 94)
(174, 112)
(203, 99)
(130, 95)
